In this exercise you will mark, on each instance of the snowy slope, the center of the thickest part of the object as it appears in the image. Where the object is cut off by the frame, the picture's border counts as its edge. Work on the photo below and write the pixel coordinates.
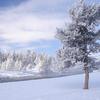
(7, 76)
(64, 88)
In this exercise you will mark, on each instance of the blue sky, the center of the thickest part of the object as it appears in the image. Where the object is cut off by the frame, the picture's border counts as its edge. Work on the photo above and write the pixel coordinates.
(31, 24)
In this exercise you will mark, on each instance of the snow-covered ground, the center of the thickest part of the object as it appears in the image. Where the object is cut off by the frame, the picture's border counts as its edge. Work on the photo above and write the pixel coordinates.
(63, 88)
(8, 76)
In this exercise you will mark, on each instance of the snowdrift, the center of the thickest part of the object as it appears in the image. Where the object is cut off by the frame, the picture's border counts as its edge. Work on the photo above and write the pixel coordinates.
(63, 88)
(10, 76)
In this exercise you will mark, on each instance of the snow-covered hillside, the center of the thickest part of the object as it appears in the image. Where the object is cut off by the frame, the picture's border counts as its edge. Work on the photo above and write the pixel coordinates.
(63, 88)
(8, 76)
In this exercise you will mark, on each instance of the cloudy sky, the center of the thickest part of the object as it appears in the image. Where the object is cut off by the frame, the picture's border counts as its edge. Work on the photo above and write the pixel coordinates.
(31, 24)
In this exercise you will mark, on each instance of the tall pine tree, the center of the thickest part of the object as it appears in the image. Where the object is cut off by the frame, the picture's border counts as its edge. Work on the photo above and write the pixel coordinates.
(80, 37)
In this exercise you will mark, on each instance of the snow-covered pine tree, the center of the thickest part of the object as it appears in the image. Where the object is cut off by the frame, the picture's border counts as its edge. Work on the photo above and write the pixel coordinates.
(80, 37)
(43, 63)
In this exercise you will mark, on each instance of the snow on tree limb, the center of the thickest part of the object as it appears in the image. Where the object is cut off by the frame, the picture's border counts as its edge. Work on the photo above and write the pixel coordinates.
(79, 39)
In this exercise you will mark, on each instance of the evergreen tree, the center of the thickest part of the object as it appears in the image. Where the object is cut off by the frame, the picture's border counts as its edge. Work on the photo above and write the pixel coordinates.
(80, 37)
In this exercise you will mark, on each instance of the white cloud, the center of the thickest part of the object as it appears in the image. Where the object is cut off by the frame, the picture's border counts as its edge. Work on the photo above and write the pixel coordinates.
(20, 24)
(30, 22)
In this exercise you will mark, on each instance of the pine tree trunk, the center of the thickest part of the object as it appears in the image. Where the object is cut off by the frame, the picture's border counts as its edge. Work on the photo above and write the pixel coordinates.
(86, 81)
